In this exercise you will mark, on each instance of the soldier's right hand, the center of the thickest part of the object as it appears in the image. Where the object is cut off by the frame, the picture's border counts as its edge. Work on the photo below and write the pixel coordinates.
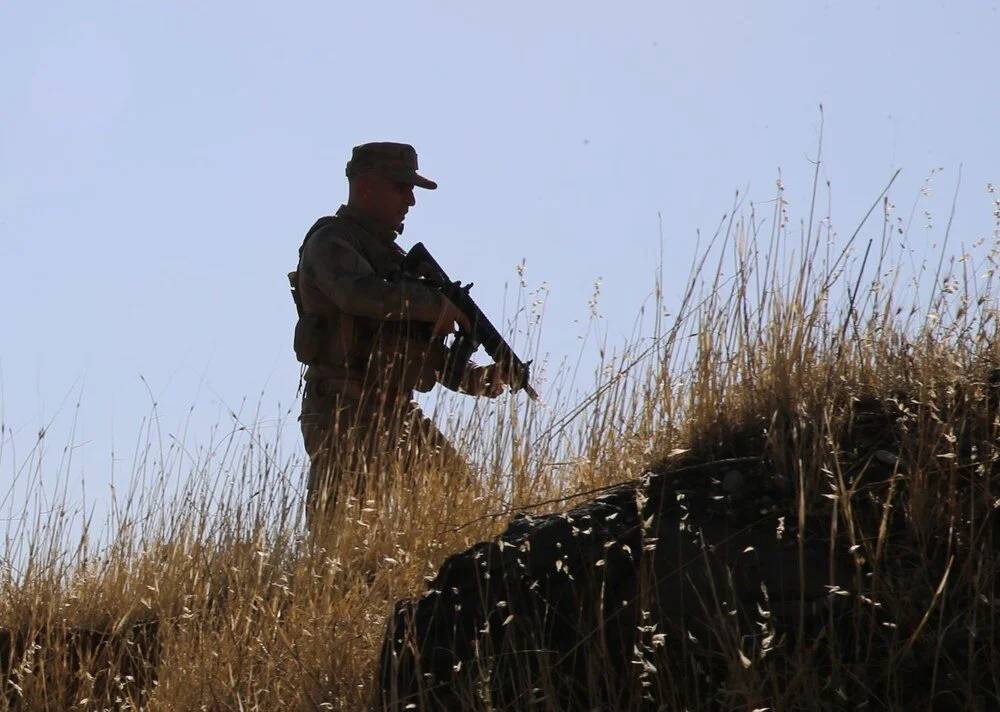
(450, 314)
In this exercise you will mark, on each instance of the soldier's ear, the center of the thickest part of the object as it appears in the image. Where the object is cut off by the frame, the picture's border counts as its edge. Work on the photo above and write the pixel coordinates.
(360, 185)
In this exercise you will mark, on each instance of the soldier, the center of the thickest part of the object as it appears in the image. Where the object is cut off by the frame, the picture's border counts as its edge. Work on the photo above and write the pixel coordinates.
(371, 336)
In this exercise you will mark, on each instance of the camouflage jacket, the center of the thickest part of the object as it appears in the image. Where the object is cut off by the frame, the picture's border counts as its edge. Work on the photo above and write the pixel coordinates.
(371, 326)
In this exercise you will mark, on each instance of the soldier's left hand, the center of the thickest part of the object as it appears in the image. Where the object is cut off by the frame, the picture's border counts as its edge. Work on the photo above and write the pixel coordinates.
(495, 379)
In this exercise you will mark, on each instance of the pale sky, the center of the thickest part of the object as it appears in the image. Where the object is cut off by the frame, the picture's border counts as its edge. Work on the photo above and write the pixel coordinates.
(160, 162)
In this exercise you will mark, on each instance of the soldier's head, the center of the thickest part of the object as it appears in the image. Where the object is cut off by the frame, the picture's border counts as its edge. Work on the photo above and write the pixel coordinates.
(382, 177)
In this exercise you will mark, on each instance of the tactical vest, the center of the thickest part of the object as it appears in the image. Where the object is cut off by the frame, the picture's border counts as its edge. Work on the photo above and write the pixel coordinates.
(396, 355)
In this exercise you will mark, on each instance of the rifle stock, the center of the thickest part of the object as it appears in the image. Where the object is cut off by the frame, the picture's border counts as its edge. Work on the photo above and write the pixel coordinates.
(420, 262)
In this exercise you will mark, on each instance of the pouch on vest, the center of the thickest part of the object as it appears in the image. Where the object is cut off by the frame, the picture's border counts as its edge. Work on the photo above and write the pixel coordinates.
(309, 329)
(310, 338)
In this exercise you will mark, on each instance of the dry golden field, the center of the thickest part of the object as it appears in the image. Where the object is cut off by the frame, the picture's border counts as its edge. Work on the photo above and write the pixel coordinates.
(203, 593)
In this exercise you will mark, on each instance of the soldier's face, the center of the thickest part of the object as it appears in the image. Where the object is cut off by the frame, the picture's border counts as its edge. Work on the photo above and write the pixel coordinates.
(402, 199)
(385, 200)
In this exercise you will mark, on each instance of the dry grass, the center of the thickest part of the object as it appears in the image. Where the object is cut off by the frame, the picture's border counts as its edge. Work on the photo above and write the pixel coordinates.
(206, 594)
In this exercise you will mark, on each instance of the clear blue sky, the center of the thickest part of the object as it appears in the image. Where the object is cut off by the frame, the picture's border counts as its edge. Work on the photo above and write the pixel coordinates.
(160, 161)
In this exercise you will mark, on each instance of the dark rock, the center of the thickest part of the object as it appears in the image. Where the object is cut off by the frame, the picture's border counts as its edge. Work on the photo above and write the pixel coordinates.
(587, 609)
(119, 663)
(733, 481)
(886, 458)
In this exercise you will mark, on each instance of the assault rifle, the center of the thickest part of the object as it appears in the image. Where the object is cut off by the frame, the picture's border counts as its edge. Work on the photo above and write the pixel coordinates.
(419, 262)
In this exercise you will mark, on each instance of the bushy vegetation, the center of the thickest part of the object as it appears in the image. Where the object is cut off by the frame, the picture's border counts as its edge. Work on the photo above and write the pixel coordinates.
(868, 385)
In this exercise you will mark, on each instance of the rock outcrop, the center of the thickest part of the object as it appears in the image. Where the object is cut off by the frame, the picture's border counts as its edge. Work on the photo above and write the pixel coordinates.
(80, 662)
(687, 572)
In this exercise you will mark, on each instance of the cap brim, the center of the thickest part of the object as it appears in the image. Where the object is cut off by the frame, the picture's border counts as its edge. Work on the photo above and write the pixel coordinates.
(408, 175)
(421, 182)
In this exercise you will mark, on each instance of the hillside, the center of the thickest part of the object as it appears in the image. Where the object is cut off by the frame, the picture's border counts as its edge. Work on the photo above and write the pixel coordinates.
(810, 417)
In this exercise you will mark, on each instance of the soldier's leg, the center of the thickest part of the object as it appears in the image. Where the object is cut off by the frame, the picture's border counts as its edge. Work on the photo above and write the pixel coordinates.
(335, 435)
(347, 445)
(316, 422)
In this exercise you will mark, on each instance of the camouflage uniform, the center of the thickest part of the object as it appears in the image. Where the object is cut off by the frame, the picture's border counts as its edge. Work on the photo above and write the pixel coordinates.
(370, 346)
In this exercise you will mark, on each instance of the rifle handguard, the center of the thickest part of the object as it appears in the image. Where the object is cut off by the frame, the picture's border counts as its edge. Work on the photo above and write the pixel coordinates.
(418, 261)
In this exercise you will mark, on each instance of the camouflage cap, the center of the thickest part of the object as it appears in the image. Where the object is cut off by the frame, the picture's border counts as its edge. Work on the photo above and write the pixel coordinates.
(397, 161)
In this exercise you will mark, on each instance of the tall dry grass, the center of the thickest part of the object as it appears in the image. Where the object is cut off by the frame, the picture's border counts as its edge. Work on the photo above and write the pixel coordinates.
(202, 591)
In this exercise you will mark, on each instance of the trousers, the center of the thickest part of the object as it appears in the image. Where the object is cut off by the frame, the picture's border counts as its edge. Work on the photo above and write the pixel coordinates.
(358, 442)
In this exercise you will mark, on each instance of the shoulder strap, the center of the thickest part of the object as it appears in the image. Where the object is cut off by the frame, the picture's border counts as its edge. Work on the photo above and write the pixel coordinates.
(295, 276)
(324, 223)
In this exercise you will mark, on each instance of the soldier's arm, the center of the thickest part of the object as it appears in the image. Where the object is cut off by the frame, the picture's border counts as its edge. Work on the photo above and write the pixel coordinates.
(344, 277)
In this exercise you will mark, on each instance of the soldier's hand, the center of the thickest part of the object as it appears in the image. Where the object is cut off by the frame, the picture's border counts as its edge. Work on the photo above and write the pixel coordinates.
(495, 379)
(450, 314)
